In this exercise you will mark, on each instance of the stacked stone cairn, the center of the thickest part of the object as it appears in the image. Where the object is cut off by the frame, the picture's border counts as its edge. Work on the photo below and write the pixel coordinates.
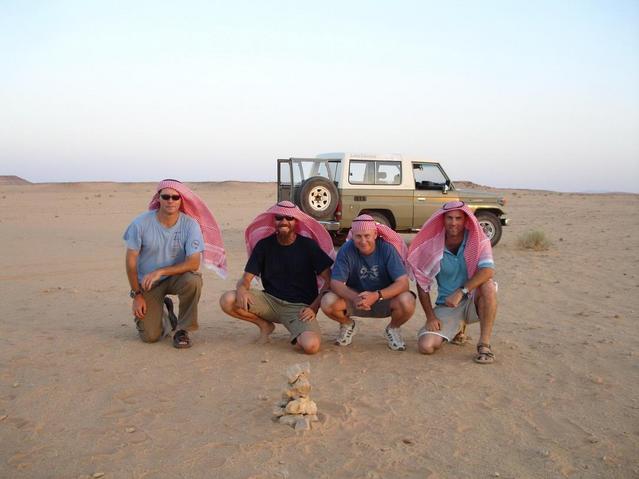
(296, 408)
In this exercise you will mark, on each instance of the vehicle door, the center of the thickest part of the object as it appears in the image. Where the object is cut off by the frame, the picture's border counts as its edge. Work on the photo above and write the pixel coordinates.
(431, 191)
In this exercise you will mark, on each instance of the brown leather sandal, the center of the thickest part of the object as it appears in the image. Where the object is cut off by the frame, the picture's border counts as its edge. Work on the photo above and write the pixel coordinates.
(484, 354)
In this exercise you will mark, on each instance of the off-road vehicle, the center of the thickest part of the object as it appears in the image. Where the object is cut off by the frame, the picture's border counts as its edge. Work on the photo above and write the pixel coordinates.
(401, 193)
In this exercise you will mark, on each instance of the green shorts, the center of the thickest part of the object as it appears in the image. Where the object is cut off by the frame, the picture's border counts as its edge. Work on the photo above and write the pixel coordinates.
(452, 319)
(276, 310)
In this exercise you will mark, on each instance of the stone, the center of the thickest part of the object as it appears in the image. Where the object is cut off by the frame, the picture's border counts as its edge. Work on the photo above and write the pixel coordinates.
(302, 406)
(279, 411)
(289, 419)
(313, 418)
(130, 429)
(302, 424)
(294, 371)
(302, 386)
(97, 475)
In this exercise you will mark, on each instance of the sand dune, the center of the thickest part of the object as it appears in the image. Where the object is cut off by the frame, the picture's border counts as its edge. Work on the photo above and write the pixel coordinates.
(80, 395)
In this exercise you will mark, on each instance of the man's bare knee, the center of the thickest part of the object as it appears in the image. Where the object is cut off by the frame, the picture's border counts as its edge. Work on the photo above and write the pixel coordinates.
(227, 301)
(309, 342)
(328, 302)
(427, 345)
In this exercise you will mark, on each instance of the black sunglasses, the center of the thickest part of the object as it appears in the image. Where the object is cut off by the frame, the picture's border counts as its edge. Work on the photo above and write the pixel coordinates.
(280, 218)
(166, 197)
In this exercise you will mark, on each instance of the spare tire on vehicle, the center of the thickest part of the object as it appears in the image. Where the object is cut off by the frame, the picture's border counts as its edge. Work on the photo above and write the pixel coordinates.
(318, 197)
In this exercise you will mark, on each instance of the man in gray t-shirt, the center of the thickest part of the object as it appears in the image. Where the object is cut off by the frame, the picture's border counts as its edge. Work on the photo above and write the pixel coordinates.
(369, 279)
(163, 256)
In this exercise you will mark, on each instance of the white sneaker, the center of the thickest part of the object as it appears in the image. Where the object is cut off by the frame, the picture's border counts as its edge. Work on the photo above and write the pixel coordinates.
(394, 338)
(346, 333)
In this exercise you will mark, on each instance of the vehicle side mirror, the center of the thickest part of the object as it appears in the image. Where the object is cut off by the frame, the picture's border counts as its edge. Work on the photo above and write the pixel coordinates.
(445, 188)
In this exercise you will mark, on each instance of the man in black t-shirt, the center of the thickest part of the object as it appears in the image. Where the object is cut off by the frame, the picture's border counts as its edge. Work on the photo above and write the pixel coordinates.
(288, 264)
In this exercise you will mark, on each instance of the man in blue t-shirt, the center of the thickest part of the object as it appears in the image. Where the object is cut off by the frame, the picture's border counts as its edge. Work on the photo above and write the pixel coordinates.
(163, 255)
(464, 270)
(288, 264)
(369, 279)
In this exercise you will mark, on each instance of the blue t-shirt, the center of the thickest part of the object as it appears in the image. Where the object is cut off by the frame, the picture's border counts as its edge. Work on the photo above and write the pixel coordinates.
(160, 246)
(368, 273)
(453, 273)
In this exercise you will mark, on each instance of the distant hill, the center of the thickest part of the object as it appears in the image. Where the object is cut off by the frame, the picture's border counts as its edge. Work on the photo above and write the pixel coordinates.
(13, 180)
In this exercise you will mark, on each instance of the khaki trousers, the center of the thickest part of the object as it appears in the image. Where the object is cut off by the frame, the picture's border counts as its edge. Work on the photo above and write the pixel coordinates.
(187, 287)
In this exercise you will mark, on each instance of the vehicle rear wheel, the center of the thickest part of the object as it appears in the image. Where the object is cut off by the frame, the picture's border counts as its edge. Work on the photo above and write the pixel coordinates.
(318, 197)
(491, 226)
(379, 217)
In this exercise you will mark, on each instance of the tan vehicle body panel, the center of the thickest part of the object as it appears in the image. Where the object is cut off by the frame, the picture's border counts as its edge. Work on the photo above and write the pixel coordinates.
(407, 203)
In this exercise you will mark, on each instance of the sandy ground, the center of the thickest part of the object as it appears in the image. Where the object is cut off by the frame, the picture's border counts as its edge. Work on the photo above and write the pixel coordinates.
(81, 395)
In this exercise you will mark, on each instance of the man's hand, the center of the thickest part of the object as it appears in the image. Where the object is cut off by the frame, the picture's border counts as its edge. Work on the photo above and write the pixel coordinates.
(150, 279)
(139, 306)
(433, 325)
(307, 314)
(243, 298)
(454, 298)
(366, 299)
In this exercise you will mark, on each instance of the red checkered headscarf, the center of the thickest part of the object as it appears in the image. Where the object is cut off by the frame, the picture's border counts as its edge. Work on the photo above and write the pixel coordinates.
(264, 225)
(427, 249)
(364, 223)
(214, 256)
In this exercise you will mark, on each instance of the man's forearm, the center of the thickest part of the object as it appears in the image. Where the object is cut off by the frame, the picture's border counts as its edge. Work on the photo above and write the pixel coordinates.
(191, 264)
(480, 277)
(396, 288)
(343, 291)
(131, 263)
(424, 299)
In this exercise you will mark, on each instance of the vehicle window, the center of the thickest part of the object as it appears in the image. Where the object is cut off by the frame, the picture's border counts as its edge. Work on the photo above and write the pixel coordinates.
(285, 173)
(362, 172)
(428, 176)
(389, 173)
(304, 169)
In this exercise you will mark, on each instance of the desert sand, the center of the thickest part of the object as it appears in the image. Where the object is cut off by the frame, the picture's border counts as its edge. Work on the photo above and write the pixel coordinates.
(81, 396)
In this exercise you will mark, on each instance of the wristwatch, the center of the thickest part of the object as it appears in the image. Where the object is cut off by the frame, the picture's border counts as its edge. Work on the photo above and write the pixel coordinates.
(465, 291)
(133, 293)
(379, 293)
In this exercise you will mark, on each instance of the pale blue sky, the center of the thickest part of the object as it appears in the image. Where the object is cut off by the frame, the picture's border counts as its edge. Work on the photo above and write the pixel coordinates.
(504, 93)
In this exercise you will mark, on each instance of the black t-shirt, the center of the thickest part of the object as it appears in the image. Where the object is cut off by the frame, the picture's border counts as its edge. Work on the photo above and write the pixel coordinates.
(289, 272)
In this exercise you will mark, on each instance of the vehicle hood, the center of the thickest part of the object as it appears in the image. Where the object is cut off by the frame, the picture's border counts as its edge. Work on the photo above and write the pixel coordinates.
(471, 197)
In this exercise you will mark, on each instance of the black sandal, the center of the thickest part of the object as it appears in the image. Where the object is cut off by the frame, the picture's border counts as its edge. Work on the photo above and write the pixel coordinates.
(181, 339)
(484, 354)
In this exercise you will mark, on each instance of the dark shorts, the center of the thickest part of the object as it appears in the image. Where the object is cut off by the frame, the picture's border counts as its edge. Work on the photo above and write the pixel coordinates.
(381, 309)
(276, 310)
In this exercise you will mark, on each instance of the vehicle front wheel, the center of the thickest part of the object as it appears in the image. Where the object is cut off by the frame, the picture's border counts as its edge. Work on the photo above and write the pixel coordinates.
(491, 226)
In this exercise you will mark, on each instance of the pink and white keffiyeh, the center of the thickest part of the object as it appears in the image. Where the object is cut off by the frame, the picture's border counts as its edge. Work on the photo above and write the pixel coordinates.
(214, 256)
(264, 225)
(427, 249)
(365, 222)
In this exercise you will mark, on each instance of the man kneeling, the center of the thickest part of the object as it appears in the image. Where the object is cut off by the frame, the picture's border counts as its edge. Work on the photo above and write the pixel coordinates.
(369, 280)
(452, 248)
